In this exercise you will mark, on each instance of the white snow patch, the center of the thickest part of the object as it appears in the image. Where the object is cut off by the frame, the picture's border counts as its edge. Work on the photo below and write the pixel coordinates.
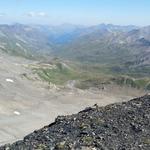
(2, 46)
(17, 44)
(9, 80)
(16, 113)
(19, 38)
(65, 65)
(16, 64)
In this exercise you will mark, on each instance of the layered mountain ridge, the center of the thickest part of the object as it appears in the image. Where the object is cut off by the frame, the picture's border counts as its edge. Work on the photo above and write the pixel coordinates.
(94, 44)
(105, 44)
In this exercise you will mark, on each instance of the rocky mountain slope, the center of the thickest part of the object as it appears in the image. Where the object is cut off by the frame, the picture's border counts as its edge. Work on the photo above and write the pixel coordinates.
(32, 94)
(120, 126)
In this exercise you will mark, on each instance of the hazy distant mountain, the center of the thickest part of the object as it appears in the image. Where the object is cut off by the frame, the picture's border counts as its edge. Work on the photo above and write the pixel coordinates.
(23, 40)
(104, 43)
(34, 39)
(109, 43)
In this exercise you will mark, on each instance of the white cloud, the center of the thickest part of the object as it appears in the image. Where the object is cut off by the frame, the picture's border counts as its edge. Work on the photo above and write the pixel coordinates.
(31, 14)
(42, 14)
(36, 14)
(2, 14)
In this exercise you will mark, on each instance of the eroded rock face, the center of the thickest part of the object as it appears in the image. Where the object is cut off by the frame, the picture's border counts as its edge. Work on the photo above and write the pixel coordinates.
(122, 126)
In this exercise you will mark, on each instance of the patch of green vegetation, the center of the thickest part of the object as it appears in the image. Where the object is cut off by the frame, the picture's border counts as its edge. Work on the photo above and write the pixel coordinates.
(41, 147)
(61, 72)
(83, 126)
(89, 75)
(124, 81)
(140, 83)
(136, 72)
(87, 140)
(61, 146)
(25, 75)
(92, 82)
(146, 141)
(57, 75)
(148, 86)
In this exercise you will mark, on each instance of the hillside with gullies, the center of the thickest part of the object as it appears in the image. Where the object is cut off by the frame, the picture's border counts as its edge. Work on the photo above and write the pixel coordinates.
(119, 126)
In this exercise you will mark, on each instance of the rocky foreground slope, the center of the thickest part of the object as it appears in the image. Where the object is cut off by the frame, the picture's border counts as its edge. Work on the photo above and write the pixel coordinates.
(121, 126)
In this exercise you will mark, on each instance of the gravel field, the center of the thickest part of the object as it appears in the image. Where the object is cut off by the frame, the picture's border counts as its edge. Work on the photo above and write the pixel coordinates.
(26, 105)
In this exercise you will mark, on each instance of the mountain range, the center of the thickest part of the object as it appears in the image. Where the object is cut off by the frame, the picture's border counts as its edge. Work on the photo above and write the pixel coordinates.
(104, 43)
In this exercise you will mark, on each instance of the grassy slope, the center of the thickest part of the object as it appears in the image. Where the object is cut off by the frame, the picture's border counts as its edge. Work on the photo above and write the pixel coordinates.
(89, 75)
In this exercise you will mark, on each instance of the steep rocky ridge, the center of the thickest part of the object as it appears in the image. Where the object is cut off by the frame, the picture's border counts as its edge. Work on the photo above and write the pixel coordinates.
(120, 126)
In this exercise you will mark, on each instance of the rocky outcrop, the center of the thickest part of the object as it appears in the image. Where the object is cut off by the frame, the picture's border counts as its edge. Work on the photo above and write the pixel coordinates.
(121, 126)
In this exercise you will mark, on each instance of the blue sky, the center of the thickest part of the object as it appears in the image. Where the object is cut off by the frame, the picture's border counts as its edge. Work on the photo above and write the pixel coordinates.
(86, 12)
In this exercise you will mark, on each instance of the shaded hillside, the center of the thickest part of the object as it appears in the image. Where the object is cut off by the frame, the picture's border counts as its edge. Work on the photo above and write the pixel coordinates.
(121, 126)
